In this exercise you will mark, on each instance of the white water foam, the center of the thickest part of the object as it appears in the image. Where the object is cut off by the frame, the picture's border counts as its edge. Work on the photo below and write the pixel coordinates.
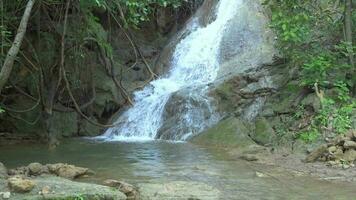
(195, 63)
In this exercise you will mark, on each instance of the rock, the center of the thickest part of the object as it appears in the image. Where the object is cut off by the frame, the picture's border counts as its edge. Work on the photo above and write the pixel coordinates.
(35, 168)
(3, 171)
(54, 187)
(313, 101)
(350, 155)
(264, 133)
(332, 149)
(350, 144)
(351, 134)
(18, 171)
(129, 190)
(68, 171)
(5, 195)
(20, 185)
(230, 132)
(249, 157)
(316, 154)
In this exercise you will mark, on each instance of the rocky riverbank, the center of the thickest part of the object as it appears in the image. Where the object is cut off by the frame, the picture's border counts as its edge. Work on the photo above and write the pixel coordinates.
(52, 181)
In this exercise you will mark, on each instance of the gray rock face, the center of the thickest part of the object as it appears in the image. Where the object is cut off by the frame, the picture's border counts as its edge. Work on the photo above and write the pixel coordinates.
(195, 114)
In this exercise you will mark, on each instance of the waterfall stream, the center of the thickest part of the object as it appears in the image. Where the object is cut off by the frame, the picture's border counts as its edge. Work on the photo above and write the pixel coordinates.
(194, 64)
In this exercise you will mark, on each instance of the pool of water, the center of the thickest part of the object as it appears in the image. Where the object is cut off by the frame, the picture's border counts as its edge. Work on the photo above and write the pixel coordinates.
(163, 162)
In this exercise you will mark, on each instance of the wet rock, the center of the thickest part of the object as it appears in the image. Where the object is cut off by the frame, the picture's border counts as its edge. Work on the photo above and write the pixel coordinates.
(3, 171)
(129, 190)
(350, 144)
(20, 184)
(350, 155)
(68, 171)
(35, 168)
(230, 132)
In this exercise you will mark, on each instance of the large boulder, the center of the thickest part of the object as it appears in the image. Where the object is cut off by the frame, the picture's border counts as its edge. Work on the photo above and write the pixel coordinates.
(230, 132)
(264, 133)
(36, 169)
(20, 184)
(68, 171)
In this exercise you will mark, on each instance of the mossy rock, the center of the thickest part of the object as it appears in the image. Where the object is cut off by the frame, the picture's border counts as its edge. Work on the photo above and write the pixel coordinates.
(264, 133)
(230, 132)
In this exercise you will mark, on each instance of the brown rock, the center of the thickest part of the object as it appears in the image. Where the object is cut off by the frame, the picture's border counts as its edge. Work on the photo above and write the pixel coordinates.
(129, 190)
(350, 155)
(20, 185)
(316, 154)
(68, 171)
(350, 145)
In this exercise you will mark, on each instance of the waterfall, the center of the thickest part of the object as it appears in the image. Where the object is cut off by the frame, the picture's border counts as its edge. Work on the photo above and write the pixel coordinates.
(194, 64)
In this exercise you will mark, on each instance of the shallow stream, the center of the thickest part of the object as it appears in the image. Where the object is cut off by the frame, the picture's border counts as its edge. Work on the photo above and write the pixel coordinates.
(161, 162)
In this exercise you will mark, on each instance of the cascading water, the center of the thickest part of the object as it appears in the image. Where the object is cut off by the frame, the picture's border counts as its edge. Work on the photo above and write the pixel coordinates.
(194, 65)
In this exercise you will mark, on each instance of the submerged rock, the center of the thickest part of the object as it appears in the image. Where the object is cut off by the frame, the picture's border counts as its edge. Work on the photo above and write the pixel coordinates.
(20, 184)
(178, 190)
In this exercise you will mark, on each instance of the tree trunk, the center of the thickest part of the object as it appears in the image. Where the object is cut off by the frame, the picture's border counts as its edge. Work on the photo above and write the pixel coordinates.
(348, 27)
(348, 40)
(11, 55)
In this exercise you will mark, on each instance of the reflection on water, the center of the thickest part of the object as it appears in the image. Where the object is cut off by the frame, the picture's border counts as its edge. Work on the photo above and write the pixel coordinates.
(162, 161)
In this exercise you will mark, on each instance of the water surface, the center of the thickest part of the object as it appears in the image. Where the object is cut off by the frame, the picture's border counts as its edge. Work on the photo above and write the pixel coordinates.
(163, 162)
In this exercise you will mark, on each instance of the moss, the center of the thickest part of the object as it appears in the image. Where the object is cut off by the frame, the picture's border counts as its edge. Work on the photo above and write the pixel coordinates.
(230, 132)
(263, 134)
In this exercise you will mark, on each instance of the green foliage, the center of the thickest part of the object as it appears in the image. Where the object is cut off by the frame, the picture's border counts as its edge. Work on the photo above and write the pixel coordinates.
(309, 135)
(138, 11)
(315, 71)
(310, 36)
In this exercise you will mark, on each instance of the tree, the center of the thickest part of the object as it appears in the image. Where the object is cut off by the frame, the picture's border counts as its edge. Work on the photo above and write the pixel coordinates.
(12, 53)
